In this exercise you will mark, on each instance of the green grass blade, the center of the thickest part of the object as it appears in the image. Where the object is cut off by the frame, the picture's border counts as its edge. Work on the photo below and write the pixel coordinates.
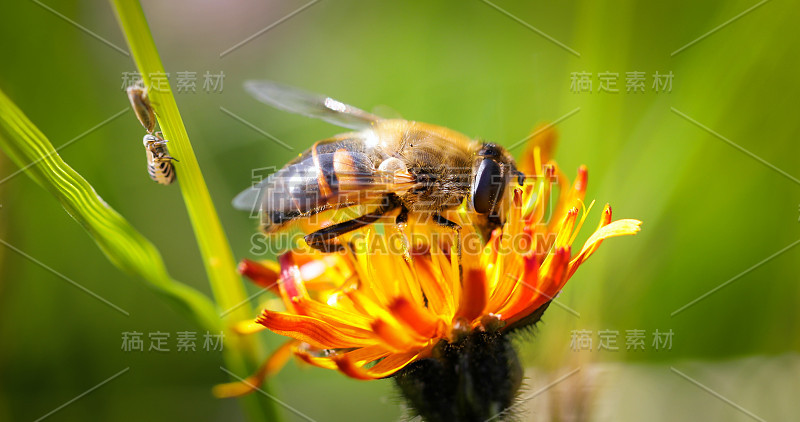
(221, 268)
(226, 285)
(125, 247)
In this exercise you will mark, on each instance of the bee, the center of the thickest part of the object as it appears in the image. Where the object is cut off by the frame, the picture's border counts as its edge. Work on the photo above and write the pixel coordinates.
(417, 168)
(141, 107)
(159, 162)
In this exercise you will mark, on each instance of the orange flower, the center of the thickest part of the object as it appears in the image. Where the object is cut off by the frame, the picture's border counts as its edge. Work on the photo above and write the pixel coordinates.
(370, 314)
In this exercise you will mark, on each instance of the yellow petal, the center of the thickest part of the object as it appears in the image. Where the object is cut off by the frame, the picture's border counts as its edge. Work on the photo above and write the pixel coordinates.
(272, 365)
(616, 228)
(265, 274)
(382, 369)
(473, 294)
(360, 356)
(331, 314)
(248, 327)
(395, 336)
(539, 148)
(314, 331)
(414, 316)
(551, 281)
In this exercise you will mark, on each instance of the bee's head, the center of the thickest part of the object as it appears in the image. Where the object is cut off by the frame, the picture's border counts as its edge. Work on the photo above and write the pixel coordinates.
(493, 170)
(149, 139)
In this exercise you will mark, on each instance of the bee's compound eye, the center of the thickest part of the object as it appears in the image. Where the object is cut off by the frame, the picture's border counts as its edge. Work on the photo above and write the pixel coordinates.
(488, 186)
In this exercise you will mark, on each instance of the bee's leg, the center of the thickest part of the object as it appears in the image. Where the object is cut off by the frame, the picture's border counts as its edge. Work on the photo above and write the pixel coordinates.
(402, 218)
(324, 239)
(165, 157)
(452, 225)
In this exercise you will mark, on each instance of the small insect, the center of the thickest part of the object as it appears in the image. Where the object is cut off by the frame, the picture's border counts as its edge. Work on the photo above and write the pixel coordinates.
(415, 167)
(141, 106)
(159, 162)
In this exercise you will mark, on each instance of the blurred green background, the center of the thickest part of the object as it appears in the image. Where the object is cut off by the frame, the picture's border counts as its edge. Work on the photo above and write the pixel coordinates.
(710, 210)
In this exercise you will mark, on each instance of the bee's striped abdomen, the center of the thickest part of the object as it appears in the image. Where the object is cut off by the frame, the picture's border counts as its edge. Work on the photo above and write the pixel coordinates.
(161, 171)
(159, 162)
(330, 173)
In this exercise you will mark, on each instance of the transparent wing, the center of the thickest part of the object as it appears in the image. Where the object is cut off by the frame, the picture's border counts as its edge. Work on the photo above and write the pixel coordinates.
(386, 112)
(315, 182)
(342, 159)
(318, 106)
(304, 185)
(249, 199)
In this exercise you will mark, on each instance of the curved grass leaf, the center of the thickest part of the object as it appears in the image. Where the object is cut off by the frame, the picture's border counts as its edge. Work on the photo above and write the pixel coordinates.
(125, 247)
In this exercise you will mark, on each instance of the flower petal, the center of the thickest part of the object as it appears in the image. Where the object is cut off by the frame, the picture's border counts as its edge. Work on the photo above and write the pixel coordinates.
(332, 314)
(247, 327)
(360, 356)
(539, 148)
(526, 289)
(382, 369)
(617, 228)
(414, 316)
(385, 325)
(291, 285)
(552, 279)
(265, 274)
(272, 365)
(473, 294)
(432, 285)
(315, 331)
(395, 336)
(320, 362)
